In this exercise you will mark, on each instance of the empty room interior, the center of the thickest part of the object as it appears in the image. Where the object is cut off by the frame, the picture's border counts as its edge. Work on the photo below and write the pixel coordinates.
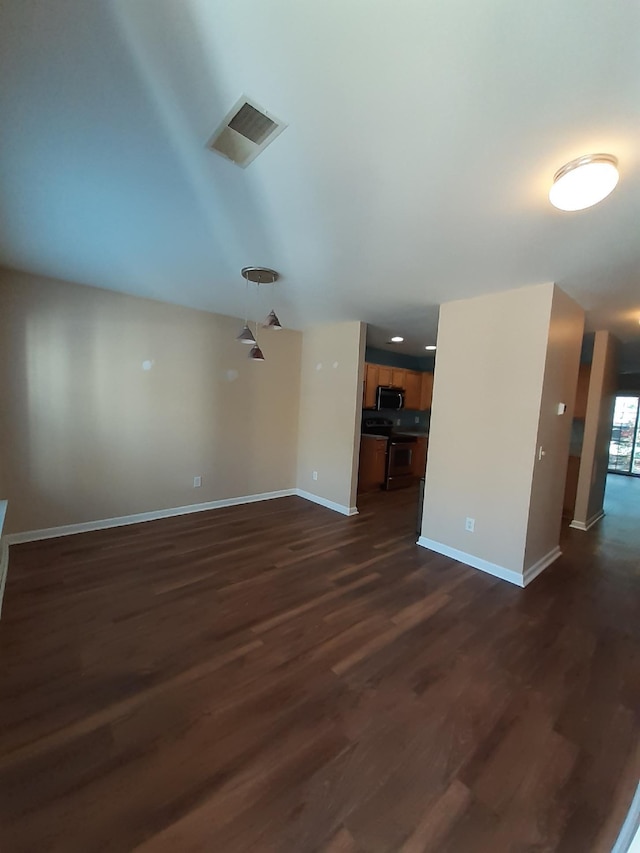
(319, 427)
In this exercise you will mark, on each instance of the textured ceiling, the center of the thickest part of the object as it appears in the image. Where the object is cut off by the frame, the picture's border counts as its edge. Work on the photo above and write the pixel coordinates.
(422, 139)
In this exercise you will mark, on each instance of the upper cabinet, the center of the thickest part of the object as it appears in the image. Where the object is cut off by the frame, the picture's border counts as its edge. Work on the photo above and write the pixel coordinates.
(418, 386)
(371, 382)
(398, 379)
(385, 375)
(426, 390)
(412, 384)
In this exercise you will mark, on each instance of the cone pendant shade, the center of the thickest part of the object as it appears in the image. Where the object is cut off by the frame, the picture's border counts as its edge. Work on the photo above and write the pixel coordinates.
(272, 322)
(246, 336)
(256, 353)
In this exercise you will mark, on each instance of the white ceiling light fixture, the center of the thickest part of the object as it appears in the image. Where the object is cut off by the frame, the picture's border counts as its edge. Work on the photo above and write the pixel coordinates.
(431, 348)
(258, 276)
(584, 182)
(396, 339)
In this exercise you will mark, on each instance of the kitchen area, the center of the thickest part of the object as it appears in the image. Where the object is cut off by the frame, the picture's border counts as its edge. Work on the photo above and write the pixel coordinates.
(394, 437)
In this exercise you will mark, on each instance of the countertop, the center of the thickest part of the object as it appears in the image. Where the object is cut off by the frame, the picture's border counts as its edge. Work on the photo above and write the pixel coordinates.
(376, 437)
(415, 432)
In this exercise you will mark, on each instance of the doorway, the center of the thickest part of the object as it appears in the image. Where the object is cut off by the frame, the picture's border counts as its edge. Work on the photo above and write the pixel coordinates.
(624, 448)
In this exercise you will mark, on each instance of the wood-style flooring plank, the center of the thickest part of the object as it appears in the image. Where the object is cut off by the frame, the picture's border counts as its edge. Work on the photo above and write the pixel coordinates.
(276, 677)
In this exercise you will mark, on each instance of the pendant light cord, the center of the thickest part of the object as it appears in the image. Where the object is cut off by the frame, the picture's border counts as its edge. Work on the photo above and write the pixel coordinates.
(246, 302)
(257, 306)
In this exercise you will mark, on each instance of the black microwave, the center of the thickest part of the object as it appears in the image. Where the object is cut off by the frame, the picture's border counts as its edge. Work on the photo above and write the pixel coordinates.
(388, 397)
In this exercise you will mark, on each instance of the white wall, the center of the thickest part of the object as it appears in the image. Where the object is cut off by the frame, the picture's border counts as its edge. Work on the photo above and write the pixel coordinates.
(488, 390)
(87, 434)
(330, 410)
(562, 364)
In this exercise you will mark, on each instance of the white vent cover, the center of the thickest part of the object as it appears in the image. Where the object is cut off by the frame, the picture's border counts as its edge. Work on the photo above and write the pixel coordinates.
(245, 132)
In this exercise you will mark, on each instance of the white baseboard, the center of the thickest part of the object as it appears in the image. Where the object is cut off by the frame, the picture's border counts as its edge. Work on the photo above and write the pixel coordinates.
(475, 562)
(493, 568)
(580, 525)
(534, 570)
(137, 518)
(316, 499)
(122, 520)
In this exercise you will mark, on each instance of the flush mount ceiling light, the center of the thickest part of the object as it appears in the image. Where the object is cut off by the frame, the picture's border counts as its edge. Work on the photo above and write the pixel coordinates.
(258, 276)
(396, 339)
(431, 348)
(584, 182)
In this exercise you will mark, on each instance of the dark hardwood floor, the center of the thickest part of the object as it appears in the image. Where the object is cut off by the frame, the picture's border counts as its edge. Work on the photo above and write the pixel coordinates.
(275, 677)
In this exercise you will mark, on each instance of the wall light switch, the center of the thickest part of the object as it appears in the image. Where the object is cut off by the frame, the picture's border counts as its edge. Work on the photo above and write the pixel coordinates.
(197, 482)
(562, 408)
(470, 525)
(315, 475)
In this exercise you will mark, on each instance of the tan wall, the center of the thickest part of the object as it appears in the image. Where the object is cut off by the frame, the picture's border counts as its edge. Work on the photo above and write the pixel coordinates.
(87, 434)
(562, 363)
(489, 385)
(330, 410)
(597, 430)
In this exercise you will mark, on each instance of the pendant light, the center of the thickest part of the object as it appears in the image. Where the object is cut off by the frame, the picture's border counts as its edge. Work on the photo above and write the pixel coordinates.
(246, 336)
(271, 321)
(258, 275)
(584, 182)
(256, 354)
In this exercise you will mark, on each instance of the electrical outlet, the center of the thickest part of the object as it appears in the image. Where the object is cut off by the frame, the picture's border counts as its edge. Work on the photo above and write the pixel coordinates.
(416, 420)
(197, 482)
(470, 525)
(397, 421)
(315, 475)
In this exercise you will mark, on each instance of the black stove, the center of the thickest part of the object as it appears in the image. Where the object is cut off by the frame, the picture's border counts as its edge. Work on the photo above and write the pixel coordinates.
(384, 426)
(399, 463)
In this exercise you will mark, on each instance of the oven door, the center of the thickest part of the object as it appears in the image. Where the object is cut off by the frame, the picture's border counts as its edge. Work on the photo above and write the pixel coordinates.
(400, 464)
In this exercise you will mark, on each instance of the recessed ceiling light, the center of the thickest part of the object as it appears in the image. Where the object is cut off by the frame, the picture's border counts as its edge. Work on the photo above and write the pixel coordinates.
(431, 347)
(584, 182)
(396, 339)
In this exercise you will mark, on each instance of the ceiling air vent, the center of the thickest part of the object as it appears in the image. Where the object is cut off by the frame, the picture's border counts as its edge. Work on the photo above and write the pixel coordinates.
(245, 132)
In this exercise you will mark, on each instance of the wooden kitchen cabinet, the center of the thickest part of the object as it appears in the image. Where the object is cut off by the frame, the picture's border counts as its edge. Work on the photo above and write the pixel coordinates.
(398, 377)
(426, 391)
(419, 460)
(412, 386)
(373, 457)
(371, 382)
(418, 386)
(384, 375)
